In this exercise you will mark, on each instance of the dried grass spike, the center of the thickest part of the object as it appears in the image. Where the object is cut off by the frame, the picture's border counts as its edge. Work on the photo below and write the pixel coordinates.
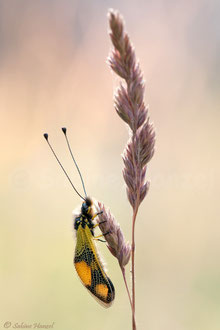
(115, 238)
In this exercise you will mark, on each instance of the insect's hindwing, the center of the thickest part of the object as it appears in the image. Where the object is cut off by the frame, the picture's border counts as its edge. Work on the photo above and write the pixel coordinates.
(90, 269)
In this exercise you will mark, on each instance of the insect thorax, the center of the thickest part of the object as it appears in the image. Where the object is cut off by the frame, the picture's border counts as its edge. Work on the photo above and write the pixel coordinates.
(83, 221)
(85, 217)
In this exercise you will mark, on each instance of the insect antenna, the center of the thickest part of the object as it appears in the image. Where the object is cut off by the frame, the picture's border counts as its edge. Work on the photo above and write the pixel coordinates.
(46, 138)
(70, 150)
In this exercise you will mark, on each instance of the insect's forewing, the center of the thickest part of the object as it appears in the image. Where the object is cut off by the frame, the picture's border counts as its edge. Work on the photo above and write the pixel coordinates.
(90, 269)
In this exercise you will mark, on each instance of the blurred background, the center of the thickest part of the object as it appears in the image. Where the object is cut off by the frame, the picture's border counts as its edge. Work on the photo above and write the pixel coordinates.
(53, 73)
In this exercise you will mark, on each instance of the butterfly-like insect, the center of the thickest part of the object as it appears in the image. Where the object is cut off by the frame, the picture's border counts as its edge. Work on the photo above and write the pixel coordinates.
(87, 262)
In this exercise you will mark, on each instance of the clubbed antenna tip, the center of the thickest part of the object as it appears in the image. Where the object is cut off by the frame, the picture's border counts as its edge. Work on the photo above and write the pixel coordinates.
(64, 130)
(46, 136)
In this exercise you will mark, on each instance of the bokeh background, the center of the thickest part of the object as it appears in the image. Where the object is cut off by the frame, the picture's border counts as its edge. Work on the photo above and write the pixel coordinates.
(53, 73)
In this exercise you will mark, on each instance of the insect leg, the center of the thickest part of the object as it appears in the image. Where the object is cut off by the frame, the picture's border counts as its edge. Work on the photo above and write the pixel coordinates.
(98, 236)
(102, 235)
(99, 223)
(95, 215)
(100, 240)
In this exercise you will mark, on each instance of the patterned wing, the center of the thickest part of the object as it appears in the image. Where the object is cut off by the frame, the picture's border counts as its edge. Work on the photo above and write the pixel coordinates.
(90, 268)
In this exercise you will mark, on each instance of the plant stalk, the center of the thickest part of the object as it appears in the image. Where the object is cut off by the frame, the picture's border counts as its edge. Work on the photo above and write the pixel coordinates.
(126, 285)
(133, 267)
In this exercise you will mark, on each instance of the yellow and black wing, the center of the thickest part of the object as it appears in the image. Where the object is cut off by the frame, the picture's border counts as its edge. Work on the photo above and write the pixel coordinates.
(90, 268)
